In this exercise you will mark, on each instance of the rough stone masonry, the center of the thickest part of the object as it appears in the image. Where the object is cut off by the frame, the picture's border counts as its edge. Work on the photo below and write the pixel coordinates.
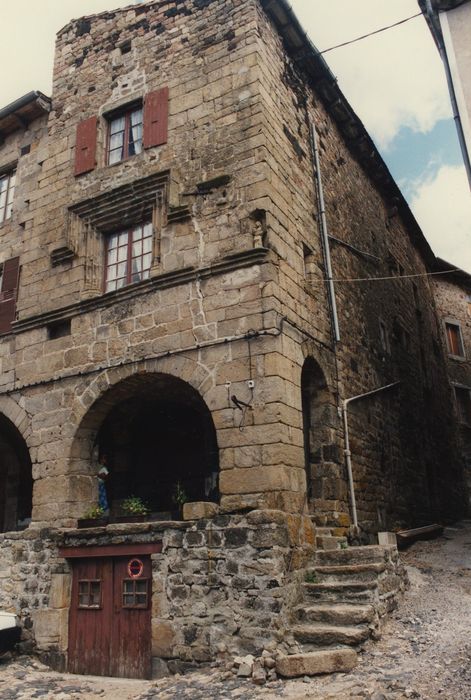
(210, 369)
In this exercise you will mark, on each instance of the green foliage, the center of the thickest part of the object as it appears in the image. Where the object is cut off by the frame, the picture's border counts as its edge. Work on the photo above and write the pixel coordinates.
(179, 495)
(134, 506)
(310, 577)
(344, 545)
(94, 513)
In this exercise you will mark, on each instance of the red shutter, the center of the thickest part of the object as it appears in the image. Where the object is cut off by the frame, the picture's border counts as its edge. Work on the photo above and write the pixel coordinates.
(156, 118)
(8, 294)
(85, 146)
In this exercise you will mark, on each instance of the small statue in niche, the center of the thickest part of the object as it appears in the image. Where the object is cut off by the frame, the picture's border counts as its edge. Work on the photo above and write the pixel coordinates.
(258, 225)
(102, 476)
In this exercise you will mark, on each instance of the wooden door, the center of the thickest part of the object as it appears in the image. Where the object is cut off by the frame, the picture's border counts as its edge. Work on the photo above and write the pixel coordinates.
(110, 617)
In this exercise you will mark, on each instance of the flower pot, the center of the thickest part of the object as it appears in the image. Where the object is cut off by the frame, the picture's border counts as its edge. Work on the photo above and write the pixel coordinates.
(131, 518)
(92, 522)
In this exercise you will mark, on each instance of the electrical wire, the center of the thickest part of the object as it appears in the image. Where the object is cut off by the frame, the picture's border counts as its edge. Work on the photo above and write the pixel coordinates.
(381, 279)
(365, 36)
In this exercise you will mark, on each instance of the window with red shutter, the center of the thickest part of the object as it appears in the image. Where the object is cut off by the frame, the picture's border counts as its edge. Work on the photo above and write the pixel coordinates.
(85, 146)
(156, 118)
(8, 293)
(454, 339)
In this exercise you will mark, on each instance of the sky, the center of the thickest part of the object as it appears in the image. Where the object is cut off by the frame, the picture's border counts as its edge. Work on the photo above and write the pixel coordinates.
(394, 81)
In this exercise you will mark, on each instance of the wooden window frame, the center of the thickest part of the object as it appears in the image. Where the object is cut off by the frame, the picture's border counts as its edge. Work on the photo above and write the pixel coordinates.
(10, 193)
(129, 256)
(135, 581)
(81, 606)
(464, 415)
(456, 326)
(125, 112)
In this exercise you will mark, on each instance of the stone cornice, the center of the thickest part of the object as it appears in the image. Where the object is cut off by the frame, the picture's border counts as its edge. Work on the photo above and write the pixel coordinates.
(234, 261)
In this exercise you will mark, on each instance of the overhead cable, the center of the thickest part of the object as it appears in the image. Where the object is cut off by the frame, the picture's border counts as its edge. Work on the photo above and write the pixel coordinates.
(365, 36)
(391, 277)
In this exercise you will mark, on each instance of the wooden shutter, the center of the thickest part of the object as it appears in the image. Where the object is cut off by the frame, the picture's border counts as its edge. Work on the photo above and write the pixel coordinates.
(85, 146)
(156, 118)
(8, 294)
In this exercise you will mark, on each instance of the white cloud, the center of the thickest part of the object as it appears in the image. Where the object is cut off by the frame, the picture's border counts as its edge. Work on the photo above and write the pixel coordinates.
(441, 204)
(392, 79)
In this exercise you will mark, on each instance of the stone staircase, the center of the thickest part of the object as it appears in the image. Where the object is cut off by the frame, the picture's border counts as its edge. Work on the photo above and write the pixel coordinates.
(343, 598)
(331, 538)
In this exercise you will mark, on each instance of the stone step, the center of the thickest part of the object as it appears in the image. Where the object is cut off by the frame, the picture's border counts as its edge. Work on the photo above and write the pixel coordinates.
(329, 543)
(370, 553)
(359, 572)
(336, 614)
(314, 663)
(343, 591)
(325, 635)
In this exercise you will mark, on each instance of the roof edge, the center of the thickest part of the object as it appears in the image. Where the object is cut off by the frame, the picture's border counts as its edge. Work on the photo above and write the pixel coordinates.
(357, 138)
(40, 98)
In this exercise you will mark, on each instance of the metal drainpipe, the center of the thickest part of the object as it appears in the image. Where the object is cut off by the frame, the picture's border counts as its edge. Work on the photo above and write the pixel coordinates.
(348, 454)
(324, 233)
(451, 89)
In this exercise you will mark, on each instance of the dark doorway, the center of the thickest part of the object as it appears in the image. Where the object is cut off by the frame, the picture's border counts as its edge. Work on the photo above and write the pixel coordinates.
(16, 482)
(321, 456)
(159, 440)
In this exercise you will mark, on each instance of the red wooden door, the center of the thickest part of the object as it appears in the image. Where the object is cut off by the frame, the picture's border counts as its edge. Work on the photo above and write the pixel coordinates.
(110, 617)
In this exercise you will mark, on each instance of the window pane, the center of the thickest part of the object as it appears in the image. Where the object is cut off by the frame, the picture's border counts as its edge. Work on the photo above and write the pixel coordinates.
(122, 267)
(3, 184)
(3, 198)
(112, 255)
(141, 586)
(128, 586)
(123, 238)
(147, 245)
(112, 272)
(122, 253)
(147, 261)
(137, 233)
(128, 599)
(115, 156)
(110, 286)
(137, 248)
(120, 283)
(136, 117)
(116, 140)
(117, 125)
(113, 241)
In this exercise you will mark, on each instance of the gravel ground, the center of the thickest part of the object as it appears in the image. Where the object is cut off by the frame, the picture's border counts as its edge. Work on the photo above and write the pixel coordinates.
(425, 650)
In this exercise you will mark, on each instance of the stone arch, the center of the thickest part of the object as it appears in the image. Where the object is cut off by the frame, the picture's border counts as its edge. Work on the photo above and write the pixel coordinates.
(16, 481)
(18, 417)
(324, 470)
(154, 429)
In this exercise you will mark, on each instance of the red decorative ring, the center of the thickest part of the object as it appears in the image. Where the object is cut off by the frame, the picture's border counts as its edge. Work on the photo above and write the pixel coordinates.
(135, 568)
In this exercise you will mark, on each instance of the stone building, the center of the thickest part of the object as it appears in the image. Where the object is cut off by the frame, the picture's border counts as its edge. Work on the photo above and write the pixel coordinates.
(453, 300)
(165, 310)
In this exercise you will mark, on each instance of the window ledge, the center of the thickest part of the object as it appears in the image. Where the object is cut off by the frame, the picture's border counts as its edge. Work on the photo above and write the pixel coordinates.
(234, 261)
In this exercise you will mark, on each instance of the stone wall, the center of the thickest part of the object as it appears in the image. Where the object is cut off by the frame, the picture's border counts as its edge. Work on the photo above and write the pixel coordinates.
(223, 586)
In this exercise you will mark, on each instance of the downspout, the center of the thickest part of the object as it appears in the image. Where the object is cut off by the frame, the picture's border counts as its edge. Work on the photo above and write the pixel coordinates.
(324, 234)
(347, 451)
(437, 32)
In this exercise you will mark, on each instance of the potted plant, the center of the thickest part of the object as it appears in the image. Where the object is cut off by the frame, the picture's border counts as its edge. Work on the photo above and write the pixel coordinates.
(94, 517)
(134, 510)
(179, 498)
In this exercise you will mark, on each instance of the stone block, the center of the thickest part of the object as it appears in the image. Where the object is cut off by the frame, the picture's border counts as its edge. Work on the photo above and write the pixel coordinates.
(59, 596)
(269, 478)
(199, 510)
(317, 662)
(163, 639)
(50, 628)
(387, 538)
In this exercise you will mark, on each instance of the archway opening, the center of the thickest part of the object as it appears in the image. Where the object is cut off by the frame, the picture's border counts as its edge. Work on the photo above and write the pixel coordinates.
(157, 438)
(16, 481)
(321, 454)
